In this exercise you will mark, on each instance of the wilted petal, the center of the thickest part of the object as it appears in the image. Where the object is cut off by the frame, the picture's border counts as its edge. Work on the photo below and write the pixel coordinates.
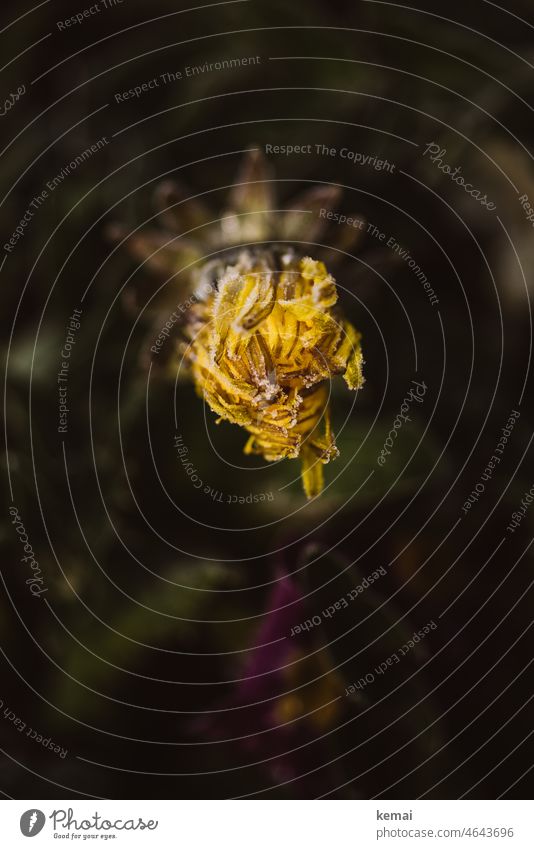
(160, 251)
(177, 210)
(345, 239)
(348, 358)
(304, 221)
(249, 215)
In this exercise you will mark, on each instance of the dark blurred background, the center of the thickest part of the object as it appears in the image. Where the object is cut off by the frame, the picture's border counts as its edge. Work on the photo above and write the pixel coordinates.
(160, 657)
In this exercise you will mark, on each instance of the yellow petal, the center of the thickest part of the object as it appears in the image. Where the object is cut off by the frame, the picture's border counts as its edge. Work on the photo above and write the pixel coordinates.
(311, 472)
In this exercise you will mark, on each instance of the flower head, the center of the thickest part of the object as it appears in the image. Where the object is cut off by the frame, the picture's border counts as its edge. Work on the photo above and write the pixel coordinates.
(262, 347)
(263, 333)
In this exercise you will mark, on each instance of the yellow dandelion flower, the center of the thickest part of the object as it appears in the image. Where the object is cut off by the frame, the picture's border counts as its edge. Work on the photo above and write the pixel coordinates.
(262, 347)
(263, 333)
